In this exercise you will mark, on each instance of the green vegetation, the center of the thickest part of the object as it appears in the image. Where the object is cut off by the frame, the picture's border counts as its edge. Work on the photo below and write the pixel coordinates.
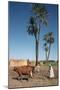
(50, 62)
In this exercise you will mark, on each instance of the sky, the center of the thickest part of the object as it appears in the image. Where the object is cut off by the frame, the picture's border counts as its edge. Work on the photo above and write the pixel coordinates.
(22, 45)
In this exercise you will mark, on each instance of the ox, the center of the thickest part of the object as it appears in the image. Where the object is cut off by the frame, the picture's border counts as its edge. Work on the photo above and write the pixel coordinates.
(23, 70)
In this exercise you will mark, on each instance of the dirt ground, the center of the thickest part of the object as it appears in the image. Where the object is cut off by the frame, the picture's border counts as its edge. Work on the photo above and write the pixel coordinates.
(38, 79)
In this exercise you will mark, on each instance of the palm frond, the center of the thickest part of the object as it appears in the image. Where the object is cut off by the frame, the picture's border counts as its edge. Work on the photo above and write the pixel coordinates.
(49, 37)
(32, 27)
(41, 12)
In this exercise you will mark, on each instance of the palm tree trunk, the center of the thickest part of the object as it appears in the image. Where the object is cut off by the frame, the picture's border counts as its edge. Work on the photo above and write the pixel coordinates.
(36, 52)
(46, 56)
(49, 52)
(37, 45)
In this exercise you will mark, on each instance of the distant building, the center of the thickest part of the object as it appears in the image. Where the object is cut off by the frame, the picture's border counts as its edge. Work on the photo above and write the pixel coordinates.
(13, 63)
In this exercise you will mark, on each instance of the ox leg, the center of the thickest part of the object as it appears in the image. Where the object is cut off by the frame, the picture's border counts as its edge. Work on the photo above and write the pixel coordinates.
(20, 77)
(31, 74)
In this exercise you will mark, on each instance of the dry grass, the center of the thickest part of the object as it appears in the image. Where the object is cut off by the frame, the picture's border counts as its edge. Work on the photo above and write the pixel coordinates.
(38, 79)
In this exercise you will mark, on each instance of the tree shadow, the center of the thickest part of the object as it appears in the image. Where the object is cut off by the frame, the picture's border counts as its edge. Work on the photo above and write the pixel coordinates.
(20, 78)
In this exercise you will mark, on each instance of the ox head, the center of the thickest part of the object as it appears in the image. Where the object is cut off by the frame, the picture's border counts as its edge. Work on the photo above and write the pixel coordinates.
(14, 69)
(33, 68)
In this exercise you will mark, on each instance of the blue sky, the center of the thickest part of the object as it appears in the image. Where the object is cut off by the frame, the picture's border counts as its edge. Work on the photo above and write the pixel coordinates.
(22, 45)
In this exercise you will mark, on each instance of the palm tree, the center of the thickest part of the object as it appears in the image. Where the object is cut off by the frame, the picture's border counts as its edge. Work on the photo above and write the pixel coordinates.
(33, 30)
(50, 41)
(41, 15)
(46, 50)
(49, 38)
